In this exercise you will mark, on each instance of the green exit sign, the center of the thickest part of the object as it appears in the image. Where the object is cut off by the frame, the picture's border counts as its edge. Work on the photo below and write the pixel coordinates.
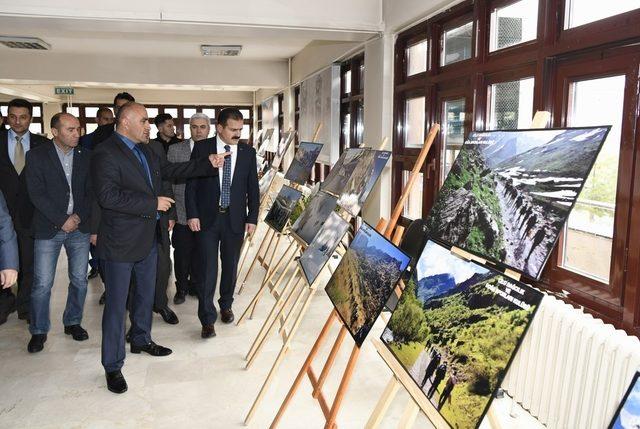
(64, 91)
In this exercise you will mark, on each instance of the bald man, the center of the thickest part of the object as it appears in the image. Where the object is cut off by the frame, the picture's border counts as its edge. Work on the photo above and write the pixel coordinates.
(59, 187)
(127, 180)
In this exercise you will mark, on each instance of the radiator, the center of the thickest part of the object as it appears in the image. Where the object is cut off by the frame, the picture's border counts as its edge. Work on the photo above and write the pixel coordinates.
(572, 369)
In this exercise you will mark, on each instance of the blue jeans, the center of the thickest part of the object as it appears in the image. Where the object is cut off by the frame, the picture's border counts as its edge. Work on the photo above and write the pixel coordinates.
(46, 253)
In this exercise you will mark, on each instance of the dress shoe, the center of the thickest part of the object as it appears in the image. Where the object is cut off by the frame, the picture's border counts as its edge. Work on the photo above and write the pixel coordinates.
(226, 315)
(77, 332)
(93, 273)
(102, 298)
(168, 316)
(193, 291)
(208, 331)
(37, 343)
(152, 348)
(116, 382)
(180, 297)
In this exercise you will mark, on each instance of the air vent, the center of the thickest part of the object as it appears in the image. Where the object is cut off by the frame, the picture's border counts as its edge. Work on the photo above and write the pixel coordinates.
(24, 43)
(221, 50)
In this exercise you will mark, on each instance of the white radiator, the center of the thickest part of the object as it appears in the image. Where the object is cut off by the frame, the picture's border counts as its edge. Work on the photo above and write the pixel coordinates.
(572, 369)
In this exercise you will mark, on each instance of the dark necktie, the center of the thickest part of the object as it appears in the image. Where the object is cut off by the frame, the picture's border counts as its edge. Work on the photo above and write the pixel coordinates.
(143, 161)
(225, 198)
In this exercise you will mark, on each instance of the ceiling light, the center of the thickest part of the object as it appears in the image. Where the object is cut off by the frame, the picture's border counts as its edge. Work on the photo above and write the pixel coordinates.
(220, 50)
(24, 43)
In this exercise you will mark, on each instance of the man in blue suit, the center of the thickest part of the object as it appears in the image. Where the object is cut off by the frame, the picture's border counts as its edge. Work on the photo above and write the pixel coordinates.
(8, 252)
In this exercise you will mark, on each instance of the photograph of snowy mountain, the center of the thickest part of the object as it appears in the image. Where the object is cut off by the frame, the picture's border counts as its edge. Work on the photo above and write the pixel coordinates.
(628, 414)
(315, 256)
(509, 193)
(300, 168)
(355, 192)
(456, 329)
(314, 216)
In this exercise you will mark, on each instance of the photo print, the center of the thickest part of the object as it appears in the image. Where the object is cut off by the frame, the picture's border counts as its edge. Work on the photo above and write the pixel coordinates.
(364, 279)
(283, 145)
(318, 253)
(282, 207)
(628, 414)
(456, 329)
(304, 160)
(509, 193)
(362, 180)
(314, 216)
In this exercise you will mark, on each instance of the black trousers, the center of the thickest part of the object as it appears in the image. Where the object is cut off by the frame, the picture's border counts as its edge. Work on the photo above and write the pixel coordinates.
(25, 274)
(217, 236)
(186, 254)
(164, 269)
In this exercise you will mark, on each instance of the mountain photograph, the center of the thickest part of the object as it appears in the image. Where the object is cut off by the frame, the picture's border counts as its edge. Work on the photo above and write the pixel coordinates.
(282, 207)
(317, 254)
(303, 161)
(355, 192)
(509, 193)
(314, 216)
(455, 330)
(364, 279)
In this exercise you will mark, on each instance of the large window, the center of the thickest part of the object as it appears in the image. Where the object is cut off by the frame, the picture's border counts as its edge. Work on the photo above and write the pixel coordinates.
(36, 125)
(352, 102)
(497, 62)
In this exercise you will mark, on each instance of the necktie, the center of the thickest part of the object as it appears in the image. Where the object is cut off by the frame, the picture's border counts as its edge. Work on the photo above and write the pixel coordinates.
(225, 198)
(18, 155)
(143, 161)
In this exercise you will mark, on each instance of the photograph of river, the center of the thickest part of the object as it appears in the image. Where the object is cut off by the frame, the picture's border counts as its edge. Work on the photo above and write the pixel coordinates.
(509, 193)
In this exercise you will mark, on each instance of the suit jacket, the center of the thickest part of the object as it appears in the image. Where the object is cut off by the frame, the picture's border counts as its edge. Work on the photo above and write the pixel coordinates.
(49, 190)
(14, 186)
(180, 152)
(202, 194)
(128, 203)
(8, 239)
(86, 141)
(166, 191)
(102, 133)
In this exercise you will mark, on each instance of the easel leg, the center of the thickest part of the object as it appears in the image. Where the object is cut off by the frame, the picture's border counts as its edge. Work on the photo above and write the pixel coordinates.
(409, 415)
(303, 370)
(383, 404)
(283, 324)
(272, 271)
(255, 259)
(271, 287)
(329, 363)
(342, 389)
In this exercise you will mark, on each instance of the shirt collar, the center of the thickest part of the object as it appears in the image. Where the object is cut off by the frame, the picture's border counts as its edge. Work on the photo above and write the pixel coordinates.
(130, 144)
(222, 143)
(61, 152)
(25, 136)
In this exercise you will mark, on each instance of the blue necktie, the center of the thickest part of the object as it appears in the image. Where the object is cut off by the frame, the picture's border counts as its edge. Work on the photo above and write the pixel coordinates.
(225, 198)
(143, 161)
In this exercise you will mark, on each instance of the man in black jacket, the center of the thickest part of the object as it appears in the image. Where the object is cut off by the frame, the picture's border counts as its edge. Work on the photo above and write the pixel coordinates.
(59, 186)
(223, 208)
(15, 143)
(127, 178)
(166, 131)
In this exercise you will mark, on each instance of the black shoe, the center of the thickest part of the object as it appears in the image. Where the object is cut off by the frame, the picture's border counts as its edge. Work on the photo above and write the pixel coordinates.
(192, 291)
(77, 332)
(93, 273)
(226, 315)
(208, 331)
(116, 382)
(180, 297)
(37, 343)
(102, 298)
(128, 336)
(25, 317)
(152, 348)
(168, 316)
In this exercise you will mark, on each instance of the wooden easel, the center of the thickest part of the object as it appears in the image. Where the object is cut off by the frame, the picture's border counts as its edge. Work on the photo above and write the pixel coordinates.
(331, 413)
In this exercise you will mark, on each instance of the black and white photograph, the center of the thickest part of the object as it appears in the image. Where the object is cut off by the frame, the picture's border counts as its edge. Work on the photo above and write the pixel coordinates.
(343, 169)
(304, 160)
(283, 145)
(318, 253)
(282, 208)
(314, 216)
(362, 180)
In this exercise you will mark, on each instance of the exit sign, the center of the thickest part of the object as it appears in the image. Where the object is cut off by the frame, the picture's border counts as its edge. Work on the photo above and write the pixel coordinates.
(64, 91)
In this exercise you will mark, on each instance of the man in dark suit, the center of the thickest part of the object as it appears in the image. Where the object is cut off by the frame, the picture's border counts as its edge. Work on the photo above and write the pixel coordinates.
(223, 208)
(15, 143)
(104, 116)
(59, 186)
(8, 255)
(127, 178)
(105, 131)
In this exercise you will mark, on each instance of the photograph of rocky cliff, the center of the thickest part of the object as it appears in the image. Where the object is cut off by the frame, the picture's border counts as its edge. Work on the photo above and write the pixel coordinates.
(456, 329)
(509, 193)
(304, 160)
(342, 170)
(314, 216)
(364, 279)
(365, 175)
(315, 256)
(282, 207)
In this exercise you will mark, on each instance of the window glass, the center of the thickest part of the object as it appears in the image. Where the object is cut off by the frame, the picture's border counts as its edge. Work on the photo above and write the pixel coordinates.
(452, 132)
(75, 111)
(35, 128)
(152, 112)
(580, 12)
(513, 24)
(172, 111)
(37, 112)
(456, 44)
(511, 105)
(413, 204)
(346, 78)
(346, 126)
(414, 117)
(187, 113)
(417, 58)
(91, 127)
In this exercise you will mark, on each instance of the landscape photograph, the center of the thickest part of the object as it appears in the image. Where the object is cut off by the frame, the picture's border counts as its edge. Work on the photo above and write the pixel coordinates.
(265, 143)
(628, 414)
(456, 329)
(509, 193)
(282, 207)
(355, 192)
(364, 279)
(314, 216)
(300, 168)
(265, 182)
(342, 170)
(317, 254)
(283, 145)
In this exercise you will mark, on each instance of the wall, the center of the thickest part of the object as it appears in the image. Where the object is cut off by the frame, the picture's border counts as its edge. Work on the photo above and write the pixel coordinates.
(399, 14)
(318, 55)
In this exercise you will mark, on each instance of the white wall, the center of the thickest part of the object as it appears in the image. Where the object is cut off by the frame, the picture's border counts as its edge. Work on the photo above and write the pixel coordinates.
(398, 14)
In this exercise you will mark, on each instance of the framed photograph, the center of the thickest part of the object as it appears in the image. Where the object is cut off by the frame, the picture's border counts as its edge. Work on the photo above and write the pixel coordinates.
(315, 256)
(283, 145)
(266, 142)
(282, 207)
(628, 414)
(342, 170)
(509, 193)
(364, 279)
(314, 216)
(362, 180)
(265, 182)
(304, 160)
(456, 330)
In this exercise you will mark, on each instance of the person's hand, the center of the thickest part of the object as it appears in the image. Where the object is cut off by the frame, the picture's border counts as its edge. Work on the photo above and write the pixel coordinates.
(164, 203)
(217, 159)
(93, 239)
(194, 224)
(71, 224)
(172, 223)
(250, 228)
(8, 278)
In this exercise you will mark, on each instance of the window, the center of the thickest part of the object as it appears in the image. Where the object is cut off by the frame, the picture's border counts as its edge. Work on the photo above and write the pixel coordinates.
(453, 117)
(513, 24)
(456, 44)
(414, 118)
(413, 203)
(417, 58)
(580, 12)
(511, 105)
(352, 102)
